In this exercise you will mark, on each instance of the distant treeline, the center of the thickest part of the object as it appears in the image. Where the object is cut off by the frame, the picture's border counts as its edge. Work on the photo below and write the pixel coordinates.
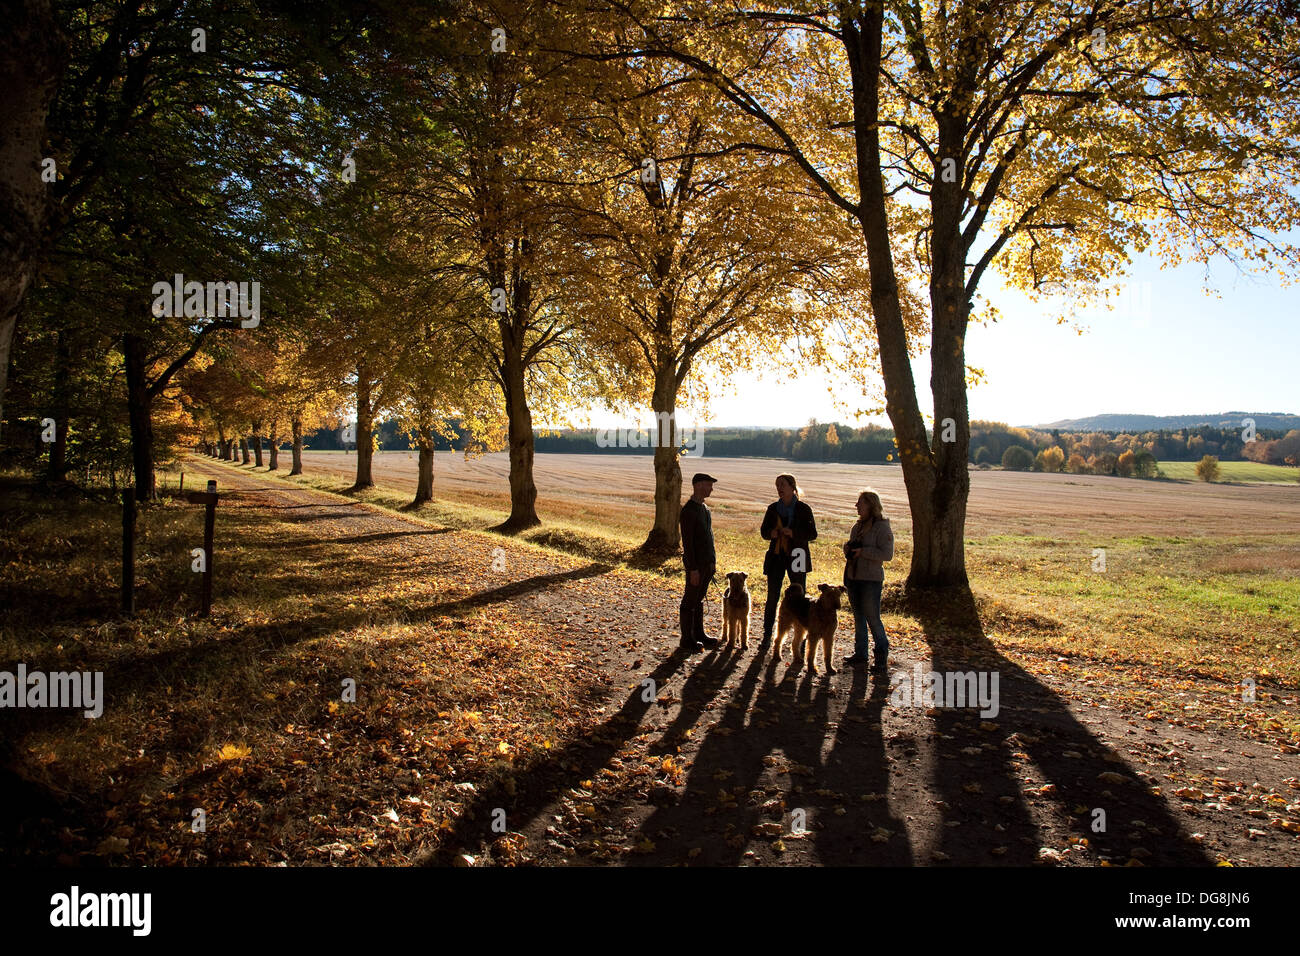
(991, 440)
(872, 444)
(813, 442)
(388, 435)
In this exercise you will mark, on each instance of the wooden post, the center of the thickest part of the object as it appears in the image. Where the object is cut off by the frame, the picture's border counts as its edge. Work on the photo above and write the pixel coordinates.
(128, 550)
(208, 498)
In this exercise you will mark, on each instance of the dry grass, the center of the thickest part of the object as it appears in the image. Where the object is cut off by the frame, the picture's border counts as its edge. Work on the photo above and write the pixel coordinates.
(1249, 560)
(241, 714)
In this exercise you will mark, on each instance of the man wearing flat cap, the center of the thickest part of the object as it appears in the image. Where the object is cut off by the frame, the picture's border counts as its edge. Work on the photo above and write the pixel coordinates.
(700, 561)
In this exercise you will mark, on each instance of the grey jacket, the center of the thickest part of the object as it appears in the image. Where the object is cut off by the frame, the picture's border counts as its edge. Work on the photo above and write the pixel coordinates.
(877, 547)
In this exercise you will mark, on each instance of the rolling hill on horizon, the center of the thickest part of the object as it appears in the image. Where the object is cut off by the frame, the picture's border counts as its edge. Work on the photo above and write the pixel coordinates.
(1129, 422)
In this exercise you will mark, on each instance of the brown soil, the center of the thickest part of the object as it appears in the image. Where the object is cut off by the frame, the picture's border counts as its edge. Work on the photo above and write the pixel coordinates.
(1000, 502)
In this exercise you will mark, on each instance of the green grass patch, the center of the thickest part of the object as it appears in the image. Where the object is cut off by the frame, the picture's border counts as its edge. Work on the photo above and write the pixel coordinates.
(1207, 605)
(1246, 472)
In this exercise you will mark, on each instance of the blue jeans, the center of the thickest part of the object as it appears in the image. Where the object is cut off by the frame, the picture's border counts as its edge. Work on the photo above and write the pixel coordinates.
(864, 598)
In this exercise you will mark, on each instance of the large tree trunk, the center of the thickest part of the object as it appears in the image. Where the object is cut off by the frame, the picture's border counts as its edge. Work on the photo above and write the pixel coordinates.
(939, 552)
(32, 58)
(365, 430)
(297, 446)
(519, 418)
(139, 406)
(221, 442)
(665, 536)
(509, 255)
(936, 495)
(243, 451)
(257, 443)
(424, 479)
(274, 448)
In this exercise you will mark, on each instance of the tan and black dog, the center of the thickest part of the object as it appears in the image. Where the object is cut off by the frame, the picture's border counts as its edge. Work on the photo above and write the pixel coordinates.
(736, 606)
(811, 621)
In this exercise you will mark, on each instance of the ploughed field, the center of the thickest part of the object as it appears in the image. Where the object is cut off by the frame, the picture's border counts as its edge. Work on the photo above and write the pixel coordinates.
(618, 490)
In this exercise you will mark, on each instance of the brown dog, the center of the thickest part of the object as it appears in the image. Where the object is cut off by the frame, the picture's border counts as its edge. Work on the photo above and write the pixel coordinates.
(811, 621)
(736, 605)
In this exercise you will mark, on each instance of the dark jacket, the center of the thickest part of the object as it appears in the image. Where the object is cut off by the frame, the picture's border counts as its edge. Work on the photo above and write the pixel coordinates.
(805, 530)
(697, 537)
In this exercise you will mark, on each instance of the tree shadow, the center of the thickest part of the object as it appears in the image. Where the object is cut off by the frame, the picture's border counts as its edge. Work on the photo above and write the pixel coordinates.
(526, 796)
(667, 564)
(339, 504)
(507, 592)
(1033, 735)
(513, 527)
(355, 539)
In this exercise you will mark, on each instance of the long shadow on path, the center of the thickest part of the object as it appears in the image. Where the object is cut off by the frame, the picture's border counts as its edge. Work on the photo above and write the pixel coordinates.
(760, 772)
(1040, 765)
(857, 769)
(531, 793)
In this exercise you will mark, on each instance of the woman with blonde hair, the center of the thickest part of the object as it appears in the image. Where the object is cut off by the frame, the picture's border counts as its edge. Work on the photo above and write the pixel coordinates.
(870, 545)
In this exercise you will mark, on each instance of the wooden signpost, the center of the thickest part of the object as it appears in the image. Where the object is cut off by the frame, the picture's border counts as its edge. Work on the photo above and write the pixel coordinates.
(128, 550)
(208, 498)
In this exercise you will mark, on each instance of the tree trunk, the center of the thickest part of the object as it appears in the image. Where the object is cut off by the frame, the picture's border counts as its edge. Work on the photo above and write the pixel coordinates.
(275, 449)
(523, 492)
(58, 464)
(243, 450)
(297, 446)
(257, 443)
(365, 431)
(424, 481)
(665, 536)
(935, 497)
(139, 406)
(32, 58)
(939, 543)
(228, 449)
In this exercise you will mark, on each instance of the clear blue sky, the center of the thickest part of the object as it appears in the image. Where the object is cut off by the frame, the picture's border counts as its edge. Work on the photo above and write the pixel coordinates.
(1166, 348)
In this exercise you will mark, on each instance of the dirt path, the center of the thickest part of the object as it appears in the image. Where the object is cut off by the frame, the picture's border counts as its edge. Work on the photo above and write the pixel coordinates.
(731, 758)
